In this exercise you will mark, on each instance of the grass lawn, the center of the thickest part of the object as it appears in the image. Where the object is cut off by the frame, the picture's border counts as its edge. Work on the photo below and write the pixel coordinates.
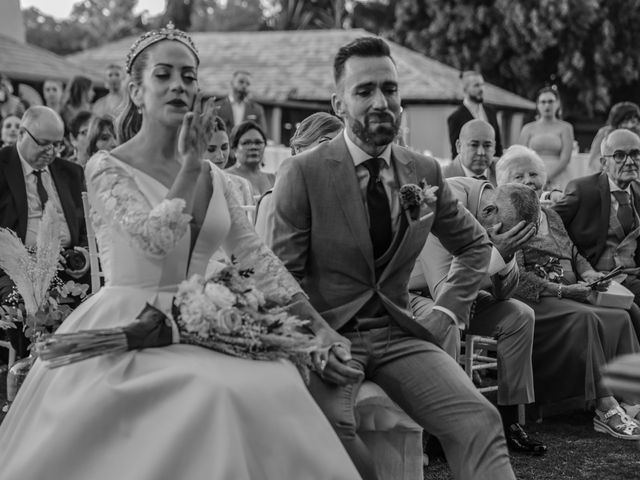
(576, 451)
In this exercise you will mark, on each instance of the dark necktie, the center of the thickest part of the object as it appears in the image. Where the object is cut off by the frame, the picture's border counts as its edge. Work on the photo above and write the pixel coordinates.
(379, 210)
(42, 193)
(625, 210)
(480, 177)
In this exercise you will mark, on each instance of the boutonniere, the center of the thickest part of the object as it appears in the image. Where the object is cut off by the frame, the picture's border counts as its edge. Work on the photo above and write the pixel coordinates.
(415, 199)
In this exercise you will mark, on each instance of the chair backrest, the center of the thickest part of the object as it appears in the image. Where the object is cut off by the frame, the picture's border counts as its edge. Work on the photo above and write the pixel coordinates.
(94, 259)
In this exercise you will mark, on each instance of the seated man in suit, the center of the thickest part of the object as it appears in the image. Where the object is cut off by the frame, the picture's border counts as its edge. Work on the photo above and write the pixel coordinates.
(30, 176)
(472, 107)
(494, 314)
(600, 211)
(238, 107)
(342, 228)
(476, 148)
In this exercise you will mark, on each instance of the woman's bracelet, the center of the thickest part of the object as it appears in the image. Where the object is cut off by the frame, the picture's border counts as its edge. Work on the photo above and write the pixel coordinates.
(559, 292)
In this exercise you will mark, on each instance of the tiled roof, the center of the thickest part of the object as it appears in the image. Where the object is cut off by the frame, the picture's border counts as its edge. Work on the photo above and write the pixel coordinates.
(297, 66)
(21, 61)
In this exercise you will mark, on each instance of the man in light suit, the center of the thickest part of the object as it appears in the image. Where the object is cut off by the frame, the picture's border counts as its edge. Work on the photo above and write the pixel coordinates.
(476, 147)
(601, 211)
(238, 107)
(494, 314)
(341, 230)
(472, 107)
(31, 175)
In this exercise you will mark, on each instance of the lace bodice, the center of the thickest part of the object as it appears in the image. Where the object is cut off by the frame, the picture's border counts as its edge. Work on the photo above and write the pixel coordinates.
(144, 238)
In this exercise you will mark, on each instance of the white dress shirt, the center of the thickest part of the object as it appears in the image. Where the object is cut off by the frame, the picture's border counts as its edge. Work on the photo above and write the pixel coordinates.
(387, 176)
(238, 109)
(476, 109)
(34, 208)
(470, 174)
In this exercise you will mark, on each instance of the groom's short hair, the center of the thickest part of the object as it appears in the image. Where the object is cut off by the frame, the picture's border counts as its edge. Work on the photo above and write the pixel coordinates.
(360, 47)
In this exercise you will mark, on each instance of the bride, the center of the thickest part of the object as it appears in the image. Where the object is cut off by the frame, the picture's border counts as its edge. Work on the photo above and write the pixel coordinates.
(182, 411)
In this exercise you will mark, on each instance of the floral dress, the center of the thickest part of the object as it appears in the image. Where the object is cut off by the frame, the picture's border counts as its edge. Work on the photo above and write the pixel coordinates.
(176, 412)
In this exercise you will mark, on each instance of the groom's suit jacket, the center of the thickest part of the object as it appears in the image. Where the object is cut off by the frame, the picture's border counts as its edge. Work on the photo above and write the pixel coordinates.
(321, 233)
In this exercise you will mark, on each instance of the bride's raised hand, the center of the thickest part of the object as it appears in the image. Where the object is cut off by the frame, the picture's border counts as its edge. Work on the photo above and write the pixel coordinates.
(195, 131)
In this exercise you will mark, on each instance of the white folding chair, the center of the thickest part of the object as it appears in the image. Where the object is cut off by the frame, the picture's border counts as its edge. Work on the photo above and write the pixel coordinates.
(94, 260)
(475, 359)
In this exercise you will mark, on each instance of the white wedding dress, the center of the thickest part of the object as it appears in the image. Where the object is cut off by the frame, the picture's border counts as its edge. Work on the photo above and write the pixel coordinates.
(179, 412)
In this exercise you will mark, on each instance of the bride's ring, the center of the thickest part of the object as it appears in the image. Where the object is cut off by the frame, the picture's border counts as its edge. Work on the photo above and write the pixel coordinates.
(323, 365)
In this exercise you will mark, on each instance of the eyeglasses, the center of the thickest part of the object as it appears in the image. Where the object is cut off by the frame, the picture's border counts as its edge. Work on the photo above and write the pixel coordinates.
(619, 156)
(57, 146)
(248, 143)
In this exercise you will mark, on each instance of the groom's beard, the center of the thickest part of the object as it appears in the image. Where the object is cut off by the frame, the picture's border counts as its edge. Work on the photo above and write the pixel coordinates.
(378, 135)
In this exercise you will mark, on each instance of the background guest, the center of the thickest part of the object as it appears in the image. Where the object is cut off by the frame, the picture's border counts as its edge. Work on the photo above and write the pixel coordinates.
(218, 154)
(600, 211)
(10, 130)
(550, 137)
(31, 175)
(317, 128)
(472, 107)
(247, 142)
(101, 135)
(573, 339)
(79, 137)
(52, 91)
(476, 147)
(622, 115)
(238, 107)
(9, 103)
(113, 102)
(77, 98)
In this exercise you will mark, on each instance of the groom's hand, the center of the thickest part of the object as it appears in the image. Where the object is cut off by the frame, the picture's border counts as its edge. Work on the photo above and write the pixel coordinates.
(337, 369)
(332, 360)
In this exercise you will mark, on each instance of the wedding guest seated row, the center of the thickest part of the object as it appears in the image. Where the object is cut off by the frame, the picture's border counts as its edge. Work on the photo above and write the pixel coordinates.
(493, 312)
(31, 175)
(622, 115)
(600, 211)
(573, 339)
(248, 142)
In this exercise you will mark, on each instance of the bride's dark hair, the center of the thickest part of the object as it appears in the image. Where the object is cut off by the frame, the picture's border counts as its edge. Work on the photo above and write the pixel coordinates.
(130, 120)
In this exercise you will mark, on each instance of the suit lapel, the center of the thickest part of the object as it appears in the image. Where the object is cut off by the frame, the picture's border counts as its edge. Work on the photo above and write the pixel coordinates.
(345, 182)
(16, 182)
(61, 183)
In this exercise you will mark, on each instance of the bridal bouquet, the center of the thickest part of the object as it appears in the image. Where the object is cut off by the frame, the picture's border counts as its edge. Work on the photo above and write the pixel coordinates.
(224, 312)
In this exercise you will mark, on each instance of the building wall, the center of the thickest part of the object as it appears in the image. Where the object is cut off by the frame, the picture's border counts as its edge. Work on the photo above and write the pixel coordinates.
(427, 128)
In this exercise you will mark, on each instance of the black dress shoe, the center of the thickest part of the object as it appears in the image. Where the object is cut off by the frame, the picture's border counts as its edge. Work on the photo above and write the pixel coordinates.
(519, 441)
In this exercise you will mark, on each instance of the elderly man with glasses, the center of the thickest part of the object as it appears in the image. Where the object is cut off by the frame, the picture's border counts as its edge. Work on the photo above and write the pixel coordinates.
(600, 211)
(32, 175)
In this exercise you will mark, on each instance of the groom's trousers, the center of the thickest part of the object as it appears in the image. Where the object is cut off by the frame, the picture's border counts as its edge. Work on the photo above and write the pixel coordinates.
(431, 388)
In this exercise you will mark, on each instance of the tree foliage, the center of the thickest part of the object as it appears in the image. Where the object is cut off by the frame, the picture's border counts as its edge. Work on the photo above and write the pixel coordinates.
(589, 48)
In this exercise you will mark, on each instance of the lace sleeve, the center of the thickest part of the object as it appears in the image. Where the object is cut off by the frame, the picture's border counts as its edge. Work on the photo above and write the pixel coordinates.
(244, 244)
(118, 199)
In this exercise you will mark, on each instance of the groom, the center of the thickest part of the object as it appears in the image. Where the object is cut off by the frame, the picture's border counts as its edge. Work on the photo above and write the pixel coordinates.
(341, 230)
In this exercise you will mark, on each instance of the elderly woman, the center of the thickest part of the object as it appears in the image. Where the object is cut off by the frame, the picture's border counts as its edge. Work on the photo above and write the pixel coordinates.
(573, 339)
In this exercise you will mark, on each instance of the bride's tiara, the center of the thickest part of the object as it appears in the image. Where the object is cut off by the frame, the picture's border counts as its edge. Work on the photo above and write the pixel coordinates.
(170, 32)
